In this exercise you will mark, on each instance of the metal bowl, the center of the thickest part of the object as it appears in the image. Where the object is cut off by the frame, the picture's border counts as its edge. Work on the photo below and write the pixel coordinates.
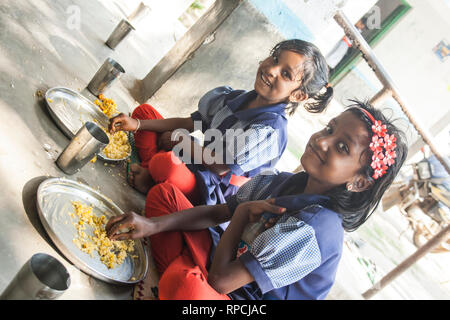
(71, 110)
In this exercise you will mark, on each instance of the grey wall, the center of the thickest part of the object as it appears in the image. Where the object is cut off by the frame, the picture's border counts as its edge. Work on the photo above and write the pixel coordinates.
(243, 40)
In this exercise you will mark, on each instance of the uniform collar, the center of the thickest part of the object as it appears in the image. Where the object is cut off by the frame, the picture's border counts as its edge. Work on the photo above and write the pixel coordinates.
(249, 114)
(298, 201)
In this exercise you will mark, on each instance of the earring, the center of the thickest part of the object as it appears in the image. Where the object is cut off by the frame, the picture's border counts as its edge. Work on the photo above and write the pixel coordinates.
(349, 187)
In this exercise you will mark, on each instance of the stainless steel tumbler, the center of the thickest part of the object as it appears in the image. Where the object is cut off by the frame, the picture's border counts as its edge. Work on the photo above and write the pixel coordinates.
(105, 76)
(88, 141)
(120, 32)
(42, 277)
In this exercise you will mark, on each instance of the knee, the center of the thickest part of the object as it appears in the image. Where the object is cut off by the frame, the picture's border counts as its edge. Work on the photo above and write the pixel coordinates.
(145, 111)
(181, 284)
(163, 165)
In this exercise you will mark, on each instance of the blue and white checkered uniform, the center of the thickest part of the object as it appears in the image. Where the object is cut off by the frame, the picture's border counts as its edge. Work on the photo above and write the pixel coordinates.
(251, 140)
(297, 258)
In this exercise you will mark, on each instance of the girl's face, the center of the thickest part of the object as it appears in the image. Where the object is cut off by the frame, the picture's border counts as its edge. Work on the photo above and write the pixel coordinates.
(279, 76)
(335, 155)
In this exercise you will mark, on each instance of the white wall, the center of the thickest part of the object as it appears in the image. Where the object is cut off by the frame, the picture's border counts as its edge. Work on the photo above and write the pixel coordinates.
(406, 53)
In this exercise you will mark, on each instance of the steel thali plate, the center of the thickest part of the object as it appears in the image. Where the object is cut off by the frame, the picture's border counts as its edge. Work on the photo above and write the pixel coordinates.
(54, 203)
(70, 110)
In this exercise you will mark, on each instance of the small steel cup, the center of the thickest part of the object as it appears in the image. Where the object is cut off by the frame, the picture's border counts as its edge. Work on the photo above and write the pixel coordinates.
(88, 141)
(120, 32)
(42, 277)
(105, 76)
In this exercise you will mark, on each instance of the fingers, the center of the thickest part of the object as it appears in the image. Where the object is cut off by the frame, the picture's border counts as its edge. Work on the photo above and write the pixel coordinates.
(112, 221)
(117, 123)
(114, 122)
(269, 205)
(132, 234)
(119, 224)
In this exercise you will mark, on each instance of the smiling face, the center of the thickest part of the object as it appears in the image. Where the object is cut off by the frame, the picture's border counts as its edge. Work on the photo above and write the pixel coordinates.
(279, 77)
(336, 154)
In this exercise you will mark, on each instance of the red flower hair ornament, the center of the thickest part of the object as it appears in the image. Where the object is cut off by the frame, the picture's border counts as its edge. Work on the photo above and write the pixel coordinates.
(383, 147)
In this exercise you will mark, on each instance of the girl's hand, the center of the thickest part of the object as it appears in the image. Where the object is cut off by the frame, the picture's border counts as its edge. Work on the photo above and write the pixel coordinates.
(254, 210)
(122, 122)
(129, 226)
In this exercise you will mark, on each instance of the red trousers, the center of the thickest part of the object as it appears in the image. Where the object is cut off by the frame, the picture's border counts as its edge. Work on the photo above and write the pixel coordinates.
(180, 256)
(160, 163)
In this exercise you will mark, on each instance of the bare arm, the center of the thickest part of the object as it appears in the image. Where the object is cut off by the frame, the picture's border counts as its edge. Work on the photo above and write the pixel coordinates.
(170, 124)
(196, 218)
(227, 273)
(123, 122)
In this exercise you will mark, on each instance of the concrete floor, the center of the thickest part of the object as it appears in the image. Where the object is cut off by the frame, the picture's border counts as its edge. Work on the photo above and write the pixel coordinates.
(38, 51)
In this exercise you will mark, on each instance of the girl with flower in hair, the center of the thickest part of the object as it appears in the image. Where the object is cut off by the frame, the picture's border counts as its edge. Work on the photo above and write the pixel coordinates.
(347, 167)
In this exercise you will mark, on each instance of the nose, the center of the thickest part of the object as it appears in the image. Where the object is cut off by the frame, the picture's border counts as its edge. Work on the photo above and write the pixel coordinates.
(272, 70)
(323, 142)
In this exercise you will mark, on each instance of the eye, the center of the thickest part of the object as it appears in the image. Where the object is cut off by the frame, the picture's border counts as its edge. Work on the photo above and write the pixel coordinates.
(342, 147)
(286, 74)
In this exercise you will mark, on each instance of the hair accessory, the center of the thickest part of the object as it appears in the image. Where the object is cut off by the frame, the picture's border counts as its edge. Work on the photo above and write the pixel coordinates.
(382, 146)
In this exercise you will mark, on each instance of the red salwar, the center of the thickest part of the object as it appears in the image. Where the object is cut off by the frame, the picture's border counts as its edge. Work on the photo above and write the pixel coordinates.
(163, 166)
(180, 256)
(160, 163)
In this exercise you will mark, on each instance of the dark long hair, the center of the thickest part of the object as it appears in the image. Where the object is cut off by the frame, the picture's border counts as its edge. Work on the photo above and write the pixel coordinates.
(356, 207)
(314, 77)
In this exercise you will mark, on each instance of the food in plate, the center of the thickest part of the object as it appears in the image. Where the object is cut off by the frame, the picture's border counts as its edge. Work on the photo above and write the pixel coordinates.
(112, 252)
(108, 106)
(118, 147)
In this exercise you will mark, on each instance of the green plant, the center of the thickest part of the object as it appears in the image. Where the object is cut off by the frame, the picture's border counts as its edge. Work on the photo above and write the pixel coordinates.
(196, 5)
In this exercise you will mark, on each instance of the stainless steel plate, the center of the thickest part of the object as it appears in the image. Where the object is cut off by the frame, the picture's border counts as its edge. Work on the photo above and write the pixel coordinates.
(54, 203)
(71, 110)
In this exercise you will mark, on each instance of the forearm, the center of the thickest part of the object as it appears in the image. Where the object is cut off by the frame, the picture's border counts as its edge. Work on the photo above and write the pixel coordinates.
(196, 218)
(227, 273)
(228, 244)
(198, 156)
(170, 124)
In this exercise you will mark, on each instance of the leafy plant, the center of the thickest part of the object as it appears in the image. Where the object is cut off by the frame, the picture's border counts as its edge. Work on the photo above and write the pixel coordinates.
(196, 5)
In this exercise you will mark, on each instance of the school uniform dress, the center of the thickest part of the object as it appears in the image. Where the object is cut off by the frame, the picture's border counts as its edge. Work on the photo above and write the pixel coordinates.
(263, 129)
(295, 259)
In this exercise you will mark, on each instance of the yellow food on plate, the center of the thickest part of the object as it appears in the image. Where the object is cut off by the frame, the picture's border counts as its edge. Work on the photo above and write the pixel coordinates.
(112, 252)
(118, 147)
(108, 106)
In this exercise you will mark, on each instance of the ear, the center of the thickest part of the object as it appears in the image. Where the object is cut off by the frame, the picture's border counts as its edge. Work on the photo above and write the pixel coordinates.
(360, 183)
(298, 96)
